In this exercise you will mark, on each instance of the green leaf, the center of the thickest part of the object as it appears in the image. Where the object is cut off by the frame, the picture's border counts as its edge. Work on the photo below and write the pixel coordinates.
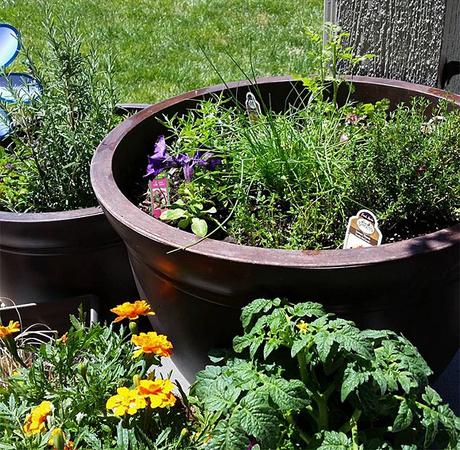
(221, 397)
(242, 342)
(255, 307)
(172, 214)
(257, 341)
(228, 435)
(406, 382)
(380, 379)
(199, 227)
(271, 345)
(75, 322)
(404, 417)
(323, 342)
(431, 396)
(351, 380)
(259, 420)
(298, 345)
(308, 309)
(334, 440)
(184, 223)
(205, 380)
(430, 421)
(287, 395)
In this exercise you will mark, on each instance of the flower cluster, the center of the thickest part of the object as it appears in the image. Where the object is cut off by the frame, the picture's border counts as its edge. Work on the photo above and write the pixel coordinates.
(152, 393)
(6, 331)
(161, 161)
(35, 421)
(132, 311)
(152, 343)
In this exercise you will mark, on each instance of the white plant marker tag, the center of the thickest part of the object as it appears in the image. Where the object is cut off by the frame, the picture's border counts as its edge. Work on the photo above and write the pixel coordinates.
(252, 107)
(362, 231)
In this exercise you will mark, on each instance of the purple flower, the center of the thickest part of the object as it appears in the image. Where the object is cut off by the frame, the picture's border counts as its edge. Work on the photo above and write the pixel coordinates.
(156, 162)
(252, 443)
(161, 160)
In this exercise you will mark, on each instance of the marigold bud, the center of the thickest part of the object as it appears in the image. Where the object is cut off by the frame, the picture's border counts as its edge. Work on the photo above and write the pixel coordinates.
(58, 439)
(83, 369)
(133, 327)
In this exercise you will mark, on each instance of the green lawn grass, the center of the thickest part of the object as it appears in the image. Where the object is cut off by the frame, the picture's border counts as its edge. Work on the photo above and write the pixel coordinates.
(157, 43)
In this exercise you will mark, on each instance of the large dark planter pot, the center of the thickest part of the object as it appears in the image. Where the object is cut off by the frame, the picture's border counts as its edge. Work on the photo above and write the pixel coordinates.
(410, 287)
(47, 257)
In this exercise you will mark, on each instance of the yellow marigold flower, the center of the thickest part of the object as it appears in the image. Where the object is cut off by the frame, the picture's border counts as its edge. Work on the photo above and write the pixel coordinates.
(132, 311)
(152, 342)
(12, 327)
(35, 421)
(159, 392)
(126, 401)
(302, 326)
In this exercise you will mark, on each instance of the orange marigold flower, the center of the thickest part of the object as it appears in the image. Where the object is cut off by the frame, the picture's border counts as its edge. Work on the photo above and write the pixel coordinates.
(12, 327)
(35, 421)
(158, 392)
(132, 311)
(63, 338)
(152, 342)
(126, 401)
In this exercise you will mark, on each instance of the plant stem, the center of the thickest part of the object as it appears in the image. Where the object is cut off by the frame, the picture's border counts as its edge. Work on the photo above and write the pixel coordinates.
(302, 363)
(323, 416)
(348, 425)
(304, 436)
(354, 433)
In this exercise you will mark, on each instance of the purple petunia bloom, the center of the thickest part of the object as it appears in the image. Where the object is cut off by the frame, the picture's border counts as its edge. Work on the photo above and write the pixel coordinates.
(252, 443)
(161, 160)
(156, 162)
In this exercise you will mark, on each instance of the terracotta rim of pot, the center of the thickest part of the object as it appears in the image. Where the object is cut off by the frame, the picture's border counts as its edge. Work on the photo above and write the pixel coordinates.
(117, 205)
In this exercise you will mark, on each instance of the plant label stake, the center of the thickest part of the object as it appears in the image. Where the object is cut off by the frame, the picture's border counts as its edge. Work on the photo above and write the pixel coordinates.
(252, 107)
(159, 195)
(362, 231)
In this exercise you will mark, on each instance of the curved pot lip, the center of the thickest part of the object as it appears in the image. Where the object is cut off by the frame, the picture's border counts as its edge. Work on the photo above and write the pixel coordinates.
(56, 216)
(117, 205)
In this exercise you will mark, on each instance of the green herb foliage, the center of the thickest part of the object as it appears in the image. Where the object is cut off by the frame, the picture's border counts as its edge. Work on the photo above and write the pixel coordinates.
(306, 379)
(46, 167)
(292, 179)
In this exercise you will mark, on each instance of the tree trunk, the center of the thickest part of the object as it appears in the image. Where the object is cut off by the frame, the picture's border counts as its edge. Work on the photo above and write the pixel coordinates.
(413, 39)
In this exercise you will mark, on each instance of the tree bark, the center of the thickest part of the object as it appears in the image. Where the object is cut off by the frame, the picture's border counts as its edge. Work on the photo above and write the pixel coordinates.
(413, 39)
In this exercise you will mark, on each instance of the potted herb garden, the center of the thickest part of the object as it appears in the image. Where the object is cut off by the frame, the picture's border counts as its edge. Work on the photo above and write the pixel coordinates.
(252, 185)
(54, 242)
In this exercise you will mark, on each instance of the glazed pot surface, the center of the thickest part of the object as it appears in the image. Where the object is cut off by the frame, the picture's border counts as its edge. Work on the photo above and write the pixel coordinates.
(197, 290)
(46, 257)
